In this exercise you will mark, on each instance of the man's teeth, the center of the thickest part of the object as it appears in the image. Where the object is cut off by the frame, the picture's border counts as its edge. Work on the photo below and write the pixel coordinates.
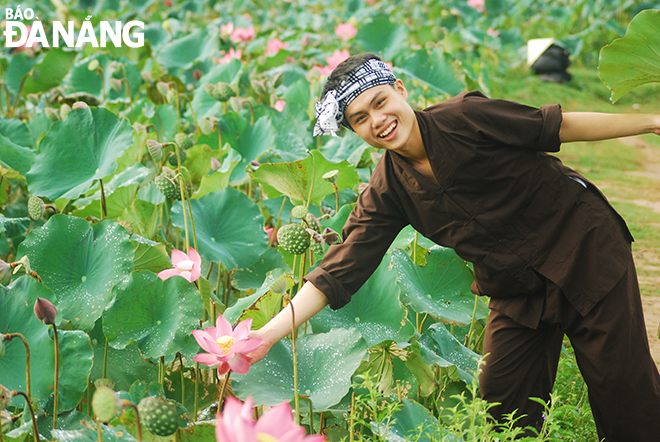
(387, 131)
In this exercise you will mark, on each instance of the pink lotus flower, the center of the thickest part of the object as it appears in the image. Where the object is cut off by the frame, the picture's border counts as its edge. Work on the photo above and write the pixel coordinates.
(243, 34)
(492, 32)
(235, 424)
(227, 30)
(274, 46)
(346, 31)
(272, 235)
(231, 54)
(226, 347)
(279, 105)
(333, 61)
(188, 266)
(479, 5)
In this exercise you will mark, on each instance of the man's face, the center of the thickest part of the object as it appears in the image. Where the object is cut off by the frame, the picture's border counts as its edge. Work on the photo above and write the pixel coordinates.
(382, 117)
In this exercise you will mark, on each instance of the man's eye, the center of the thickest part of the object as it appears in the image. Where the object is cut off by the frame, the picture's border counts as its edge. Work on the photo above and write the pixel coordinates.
(380, 102)
(359, 119)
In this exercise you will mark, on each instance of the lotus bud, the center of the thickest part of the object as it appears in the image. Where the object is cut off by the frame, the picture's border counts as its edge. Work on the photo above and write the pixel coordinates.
(236, 104)
(163, 88)
(5, 397)
(45, 311)
(279, 286)
(115, 84)
(146, 76)
(79, 105)
(155, 149)
(93, 65)
(330, 236)
(215, 164)
(304, 42)
(33, 98)
(331, 176)
(2, 345)
(224, 91)
(5, 273)
(255, 164)
(259, 86)
(106, 404)
(51, 114)
(299, 212)
(64, 110)
(206, 126)
(197, 74)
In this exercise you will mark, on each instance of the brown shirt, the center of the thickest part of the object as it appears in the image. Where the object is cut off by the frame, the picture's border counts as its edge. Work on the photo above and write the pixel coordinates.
(500, 202)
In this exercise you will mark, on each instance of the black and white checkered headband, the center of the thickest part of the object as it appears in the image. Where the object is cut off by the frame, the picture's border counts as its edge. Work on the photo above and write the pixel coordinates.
(330, 110)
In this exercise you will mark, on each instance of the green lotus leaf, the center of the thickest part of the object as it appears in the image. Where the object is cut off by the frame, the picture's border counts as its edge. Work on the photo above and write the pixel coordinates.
(80, 264)
(326, 363)
(14, 227)
(19, 65)
(158, 315)
(17, 316)
(14, 156)
(143, 217)
(182, 52)
(295, 179)
(436, 69)
(198, 161)
(413, 422)
(443, 349)
(150, 257)
(90, 434)
(123, 366)
(381, 36)
(116, 202)
(633, 60)
(229, 228)
(253, 277)
(251, 144)
(77, 151)
(441, 288)
(16, 131)
(374, 310)
(93, 82)
(50, 72)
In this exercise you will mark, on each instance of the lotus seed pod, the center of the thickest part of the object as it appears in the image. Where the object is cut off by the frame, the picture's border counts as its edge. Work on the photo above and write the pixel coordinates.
(293, 238)
(93, 65)
(104, 382)
(210, 89)
(36, 207)
(171, 96)
(115, 84)
(158, 416)
(279, 286)
(5, 273)
(5, 421)
(169, 173)
(127, 226)
(167, 186)
(313, 222)
(51, 114)
(206, 126)
(183, 141)
(224, 91)
(33, 99)
(64, 110)
(315, 237)
(5, 397)
(106, 404)
(174, 160)
(331, 176)
(299, 212)
(317, 248)
(163, 88)
(79, 105)
(155, 149)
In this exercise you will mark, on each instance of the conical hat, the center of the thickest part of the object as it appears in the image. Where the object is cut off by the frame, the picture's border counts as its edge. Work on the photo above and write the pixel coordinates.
(536, 47)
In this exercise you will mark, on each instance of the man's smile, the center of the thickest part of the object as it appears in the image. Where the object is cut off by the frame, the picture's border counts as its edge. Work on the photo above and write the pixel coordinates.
(388, 130)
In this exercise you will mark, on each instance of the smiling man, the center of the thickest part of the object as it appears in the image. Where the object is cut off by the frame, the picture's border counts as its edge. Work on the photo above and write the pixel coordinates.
(554, 257)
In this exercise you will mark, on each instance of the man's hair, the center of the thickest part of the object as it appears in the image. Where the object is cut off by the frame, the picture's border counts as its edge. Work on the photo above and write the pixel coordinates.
(344, 69)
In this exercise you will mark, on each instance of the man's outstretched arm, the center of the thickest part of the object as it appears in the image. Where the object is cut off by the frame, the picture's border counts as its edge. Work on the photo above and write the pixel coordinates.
(593, 126)
(308, 302)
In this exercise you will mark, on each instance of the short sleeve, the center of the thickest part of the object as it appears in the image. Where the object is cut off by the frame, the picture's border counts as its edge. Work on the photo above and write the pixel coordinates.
(513, 124)
(368, 233)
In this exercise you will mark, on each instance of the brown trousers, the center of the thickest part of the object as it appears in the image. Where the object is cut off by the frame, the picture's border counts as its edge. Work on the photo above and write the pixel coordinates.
(611, 350)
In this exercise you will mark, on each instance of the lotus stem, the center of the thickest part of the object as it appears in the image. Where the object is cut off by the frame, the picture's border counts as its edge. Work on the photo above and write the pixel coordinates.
(105, 360)
(468, 337)
(127, 403)
(196, 389)
(104, 206)
(99, 430)
(352, 420)
(295, 363)
(222, 390)
(57, 373)
(192, 222)
(183, 385)
(161, 370)
(35, 429)
(311, 186)
(28, 386)
(192, 112)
